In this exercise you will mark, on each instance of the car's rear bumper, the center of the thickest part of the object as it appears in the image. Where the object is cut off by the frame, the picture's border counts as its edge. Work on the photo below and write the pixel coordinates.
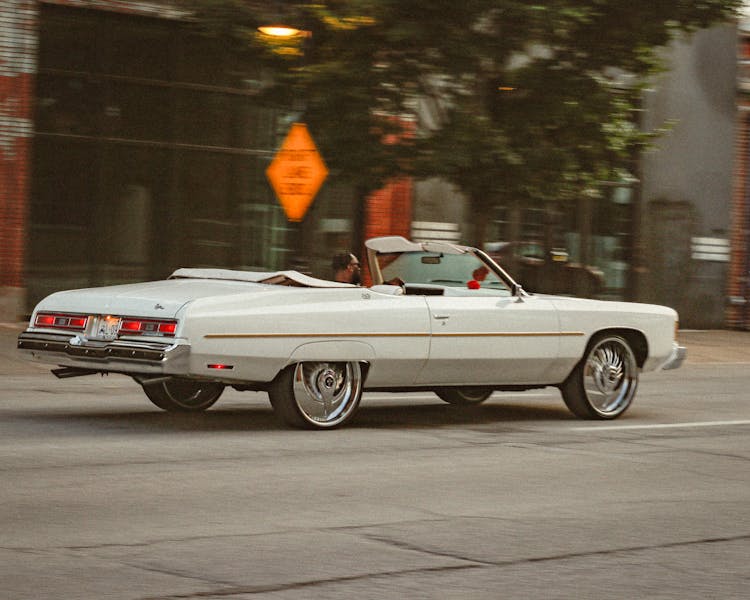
(676, 358)
(113, 356)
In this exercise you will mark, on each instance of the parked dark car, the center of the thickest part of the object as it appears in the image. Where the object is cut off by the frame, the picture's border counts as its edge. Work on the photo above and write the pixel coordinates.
(546, 273)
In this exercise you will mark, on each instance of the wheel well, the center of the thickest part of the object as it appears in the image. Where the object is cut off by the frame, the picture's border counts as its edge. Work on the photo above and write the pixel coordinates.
(635, 338)
(363, 364)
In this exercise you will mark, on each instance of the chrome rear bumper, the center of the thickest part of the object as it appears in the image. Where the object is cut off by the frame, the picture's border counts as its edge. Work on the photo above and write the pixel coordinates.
(676, 358)
(112, 356)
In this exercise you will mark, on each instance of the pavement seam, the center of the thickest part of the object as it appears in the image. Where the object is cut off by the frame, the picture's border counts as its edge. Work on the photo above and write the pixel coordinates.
(264, 589)
(566, 556)
(474, 564)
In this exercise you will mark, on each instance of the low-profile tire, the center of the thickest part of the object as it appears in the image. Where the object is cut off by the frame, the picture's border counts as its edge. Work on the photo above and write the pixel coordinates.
(183, 395)
(464, 396)
(317, 394)
(604, 382)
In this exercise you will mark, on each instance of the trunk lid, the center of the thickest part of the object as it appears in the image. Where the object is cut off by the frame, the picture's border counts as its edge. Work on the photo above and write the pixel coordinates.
(156, 299)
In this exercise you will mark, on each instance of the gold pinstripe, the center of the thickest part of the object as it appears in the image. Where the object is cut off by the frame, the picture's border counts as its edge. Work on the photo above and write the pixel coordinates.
(406, 334)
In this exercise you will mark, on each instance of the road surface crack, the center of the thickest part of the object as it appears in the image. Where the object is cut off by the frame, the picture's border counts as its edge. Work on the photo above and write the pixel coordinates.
(265, 589)
(228, 592)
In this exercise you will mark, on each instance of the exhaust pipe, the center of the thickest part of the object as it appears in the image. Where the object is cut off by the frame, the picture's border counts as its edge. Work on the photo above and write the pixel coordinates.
(146, 380)
(67, 372)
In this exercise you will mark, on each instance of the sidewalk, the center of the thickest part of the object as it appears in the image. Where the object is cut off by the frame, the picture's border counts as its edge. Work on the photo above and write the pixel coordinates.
(716, 346)
(703, 347)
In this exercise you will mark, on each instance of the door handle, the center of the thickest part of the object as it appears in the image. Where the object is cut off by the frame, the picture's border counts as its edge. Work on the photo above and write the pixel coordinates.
(441, 317)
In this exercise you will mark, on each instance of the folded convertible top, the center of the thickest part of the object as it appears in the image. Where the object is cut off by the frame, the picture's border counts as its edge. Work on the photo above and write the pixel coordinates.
(287, 278)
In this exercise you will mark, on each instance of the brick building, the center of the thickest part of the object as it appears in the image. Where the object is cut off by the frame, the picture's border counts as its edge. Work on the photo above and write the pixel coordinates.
(130, 147)
(738, 285)
(18, 43)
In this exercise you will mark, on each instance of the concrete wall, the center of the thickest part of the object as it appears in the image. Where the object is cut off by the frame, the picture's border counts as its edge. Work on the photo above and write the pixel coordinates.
(687, 181)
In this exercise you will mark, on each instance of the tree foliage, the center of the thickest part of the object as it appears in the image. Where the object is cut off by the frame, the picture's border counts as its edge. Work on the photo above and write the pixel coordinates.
(529, 99)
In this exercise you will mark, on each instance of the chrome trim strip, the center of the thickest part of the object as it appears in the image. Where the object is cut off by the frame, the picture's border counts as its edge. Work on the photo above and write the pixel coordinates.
(308, 335)
(405, 334)
(514, 334)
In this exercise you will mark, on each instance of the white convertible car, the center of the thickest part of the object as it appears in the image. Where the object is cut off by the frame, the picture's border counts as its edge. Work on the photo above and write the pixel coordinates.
(440, 317)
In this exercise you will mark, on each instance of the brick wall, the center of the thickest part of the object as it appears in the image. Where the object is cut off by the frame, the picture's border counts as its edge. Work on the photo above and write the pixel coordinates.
(18, 43)
(389, 210)
(738, 315)
(389, 213)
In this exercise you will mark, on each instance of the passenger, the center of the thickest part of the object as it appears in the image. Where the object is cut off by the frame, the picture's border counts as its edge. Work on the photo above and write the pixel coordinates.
(346, 269)
(480, 273)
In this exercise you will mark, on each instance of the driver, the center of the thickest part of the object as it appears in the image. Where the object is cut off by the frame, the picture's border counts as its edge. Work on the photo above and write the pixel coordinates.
(346, 268)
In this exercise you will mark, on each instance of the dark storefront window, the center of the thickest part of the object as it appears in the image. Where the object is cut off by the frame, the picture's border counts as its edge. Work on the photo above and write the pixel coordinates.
(136, 48)
(208, 120)
(594, 232)
(69, 104)
(149, 154)
(137, 112)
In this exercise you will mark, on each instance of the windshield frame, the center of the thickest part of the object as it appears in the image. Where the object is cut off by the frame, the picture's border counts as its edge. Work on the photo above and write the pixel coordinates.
(399, 245)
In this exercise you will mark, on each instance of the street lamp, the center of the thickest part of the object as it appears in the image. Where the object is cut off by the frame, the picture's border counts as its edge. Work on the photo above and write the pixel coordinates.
(282, 21)
(281, 34)
(283, 31)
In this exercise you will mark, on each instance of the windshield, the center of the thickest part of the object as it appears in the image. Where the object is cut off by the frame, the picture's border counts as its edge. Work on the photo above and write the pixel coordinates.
(464, 270)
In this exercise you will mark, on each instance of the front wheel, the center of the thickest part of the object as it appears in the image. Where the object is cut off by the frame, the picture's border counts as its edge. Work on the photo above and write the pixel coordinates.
(464, 396)
(603, 384)
(183, 395)
(317, 395)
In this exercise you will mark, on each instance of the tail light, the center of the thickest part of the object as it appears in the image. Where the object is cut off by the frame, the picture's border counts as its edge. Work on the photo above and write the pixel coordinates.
(61, 321)
(130, 326)
(127, 325)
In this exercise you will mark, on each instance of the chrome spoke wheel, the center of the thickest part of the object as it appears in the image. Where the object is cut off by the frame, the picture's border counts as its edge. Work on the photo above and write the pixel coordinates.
(183, 395)
(464, 396)
(317, 394)
(326, 393)
(603, 384)
(610, 377)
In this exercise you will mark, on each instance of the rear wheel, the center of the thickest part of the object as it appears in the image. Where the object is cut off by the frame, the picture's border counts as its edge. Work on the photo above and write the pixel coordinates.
(464, 396)
(183, 395)
(317, 395)
(603, 384)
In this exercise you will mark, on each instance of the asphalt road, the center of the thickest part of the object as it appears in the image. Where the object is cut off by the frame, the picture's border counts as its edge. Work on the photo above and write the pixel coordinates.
(104, 496)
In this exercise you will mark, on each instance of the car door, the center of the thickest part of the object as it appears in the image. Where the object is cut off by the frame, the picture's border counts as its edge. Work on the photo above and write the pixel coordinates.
(491, 340)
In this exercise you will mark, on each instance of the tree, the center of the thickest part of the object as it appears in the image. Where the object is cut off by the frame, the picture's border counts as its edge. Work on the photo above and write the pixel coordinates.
(536, 98)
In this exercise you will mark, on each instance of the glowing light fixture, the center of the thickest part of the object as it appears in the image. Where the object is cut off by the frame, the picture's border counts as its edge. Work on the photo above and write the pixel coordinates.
(282, 31)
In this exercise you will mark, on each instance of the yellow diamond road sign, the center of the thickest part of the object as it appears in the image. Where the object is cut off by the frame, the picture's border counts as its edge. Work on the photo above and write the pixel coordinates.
(297, 172)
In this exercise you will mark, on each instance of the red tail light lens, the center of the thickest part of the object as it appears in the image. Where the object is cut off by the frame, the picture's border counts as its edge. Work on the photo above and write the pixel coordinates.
(61, 321)
(128, 325)
(131, 326)
(167, 328)
(45, 320)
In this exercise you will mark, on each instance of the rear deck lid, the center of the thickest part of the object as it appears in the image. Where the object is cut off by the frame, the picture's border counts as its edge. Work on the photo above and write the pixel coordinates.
(152, 299)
